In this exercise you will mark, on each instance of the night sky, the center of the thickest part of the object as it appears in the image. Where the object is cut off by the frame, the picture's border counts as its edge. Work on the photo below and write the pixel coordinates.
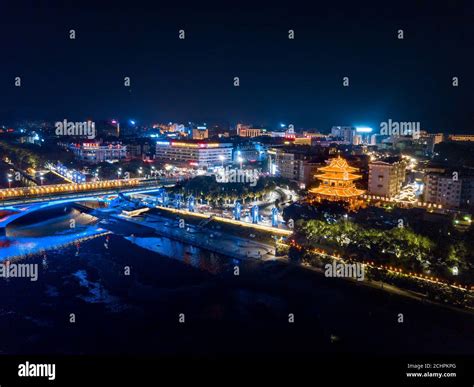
(292, 81)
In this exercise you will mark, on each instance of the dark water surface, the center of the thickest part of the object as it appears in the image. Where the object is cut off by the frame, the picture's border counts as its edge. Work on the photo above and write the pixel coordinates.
(223, 313)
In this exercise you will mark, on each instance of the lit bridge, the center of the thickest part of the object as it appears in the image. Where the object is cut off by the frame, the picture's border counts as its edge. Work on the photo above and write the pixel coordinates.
(17, 206)
(54, 189)
(23, 195)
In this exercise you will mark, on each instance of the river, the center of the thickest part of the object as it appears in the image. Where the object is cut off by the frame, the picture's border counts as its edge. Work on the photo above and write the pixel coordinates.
(134, 292)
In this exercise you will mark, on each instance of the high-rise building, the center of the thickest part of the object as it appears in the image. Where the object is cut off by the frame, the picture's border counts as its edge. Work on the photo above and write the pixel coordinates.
(442, 189)
(139, 149)
(429, 140)
(357, 139)
(346, 133)
(387, 176)
(293, 164)
(288, 165)
(362, 135)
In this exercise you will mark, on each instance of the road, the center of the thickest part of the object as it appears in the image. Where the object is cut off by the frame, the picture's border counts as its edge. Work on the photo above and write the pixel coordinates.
(265, 207)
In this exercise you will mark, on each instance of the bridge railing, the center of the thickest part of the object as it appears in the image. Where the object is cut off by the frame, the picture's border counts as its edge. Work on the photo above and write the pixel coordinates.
(25, 192)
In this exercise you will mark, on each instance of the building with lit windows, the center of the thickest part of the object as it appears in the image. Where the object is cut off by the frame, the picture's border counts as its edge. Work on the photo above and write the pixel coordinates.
(346, 133)
(139, 149)
(442, 189)
(250, 152)
(202, 154)
(449, 189)
(386, 176)
(429, 140)
(247, 131)
(96, 152)
(200, 133)
(298, 164)
(337, 181)
(461, 137)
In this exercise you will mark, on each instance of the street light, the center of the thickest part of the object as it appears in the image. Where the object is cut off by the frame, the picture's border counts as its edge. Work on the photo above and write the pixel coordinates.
(9, 176)
(153, 172)
(119, 172)
(240, 160)
(222, 158)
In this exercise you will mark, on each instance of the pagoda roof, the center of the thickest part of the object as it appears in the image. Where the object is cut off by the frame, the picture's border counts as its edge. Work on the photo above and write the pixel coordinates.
(338, 164)
(338, 176)
(341, 192)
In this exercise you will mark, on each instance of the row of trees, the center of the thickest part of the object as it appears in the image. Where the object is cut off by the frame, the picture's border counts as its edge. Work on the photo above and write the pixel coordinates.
(22, 157)
(438, 292)
(108, 171)
(399, 246)
(210, 190)
(26, 156)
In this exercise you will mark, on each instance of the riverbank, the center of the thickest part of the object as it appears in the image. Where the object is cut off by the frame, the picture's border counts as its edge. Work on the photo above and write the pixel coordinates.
(209, 236)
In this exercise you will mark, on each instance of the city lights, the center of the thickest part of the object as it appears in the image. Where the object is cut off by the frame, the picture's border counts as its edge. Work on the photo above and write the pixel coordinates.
(223, 191)
(26, 192)
(363, 129)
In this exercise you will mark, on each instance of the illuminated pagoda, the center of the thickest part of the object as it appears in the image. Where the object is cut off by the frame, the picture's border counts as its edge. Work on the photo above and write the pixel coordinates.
(337, 181)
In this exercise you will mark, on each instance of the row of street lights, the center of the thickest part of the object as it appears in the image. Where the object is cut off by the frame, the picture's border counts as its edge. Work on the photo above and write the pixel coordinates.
(139, 171)
(239, 159)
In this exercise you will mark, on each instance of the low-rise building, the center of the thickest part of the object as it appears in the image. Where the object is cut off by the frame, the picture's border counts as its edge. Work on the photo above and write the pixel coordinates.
(461, 137)
(250, 151)
(195, 153)
(200, 133)
(97, 152)
(248, 131)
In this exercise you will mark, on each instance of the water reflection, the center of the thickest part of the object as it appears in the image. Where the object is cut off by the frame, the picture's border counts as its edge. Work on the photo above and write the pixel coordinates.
(193, 256)
(68, 223)
(44, 231)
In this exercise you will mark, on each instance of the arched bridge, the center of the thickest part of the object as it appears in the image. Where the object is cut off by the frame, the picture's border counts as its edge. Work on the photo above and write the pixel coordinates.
(9, 214)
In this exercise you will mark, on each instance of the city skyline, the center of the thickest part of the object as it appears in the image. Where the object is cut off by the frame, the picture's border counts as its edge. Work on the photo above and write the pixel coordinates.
(237, 188)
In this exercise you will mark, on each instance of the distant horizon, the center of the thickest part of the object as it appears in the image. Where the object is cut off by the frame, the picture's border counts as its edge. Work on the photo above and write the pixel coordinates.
(274, 128)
